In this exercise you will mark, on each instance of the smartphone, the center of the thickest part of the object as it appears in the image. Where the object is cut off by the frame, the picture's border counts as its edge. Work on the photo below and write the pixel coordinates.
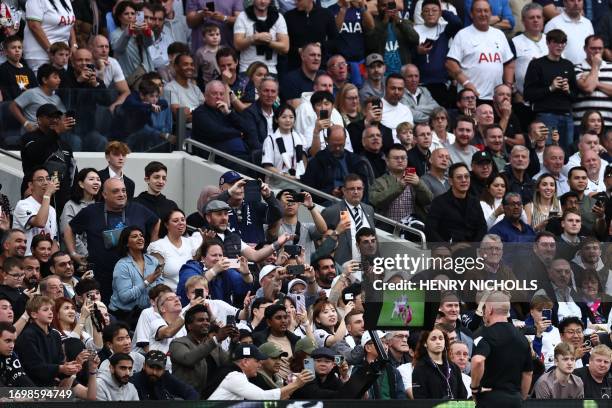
(210, 6)
(599, 203)
(348, 297)
(300, 302)
(409, 170)
(252, 191)
(298, 197)
(391, 5)
(377, 103)
(344, 216)
(553, 214)
(199, 293)
(547, 314)
(295, 269)
(587, 340)
(293, 250)
(428, 42)
(338, 359)
(323, 114)
(309, 365)
(140, 18)
(92, 297)
(92, 67)
(234, 263)
(230, 320)
(70, 114)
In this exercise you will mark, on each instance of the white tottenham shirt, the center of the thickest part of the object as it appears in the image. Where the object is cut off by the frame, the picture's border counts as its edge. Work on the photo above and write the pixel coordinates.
(526, 50)
(26, 210)
(55, 23)
(481, 55)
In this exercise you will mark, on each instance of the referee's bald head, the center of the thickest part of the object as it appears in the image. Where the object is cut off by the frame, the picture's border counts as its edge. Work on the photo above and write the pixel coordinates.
(498, 303)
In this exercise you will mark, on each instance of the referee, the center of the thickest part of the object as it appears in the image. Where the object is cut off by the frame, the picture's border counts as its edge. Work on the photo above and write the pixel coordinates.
(501, 361)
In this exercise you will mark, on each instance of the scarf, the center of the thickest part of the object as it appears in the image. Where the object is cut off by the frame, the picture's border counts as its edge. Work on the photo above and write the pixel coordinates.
(263, 26)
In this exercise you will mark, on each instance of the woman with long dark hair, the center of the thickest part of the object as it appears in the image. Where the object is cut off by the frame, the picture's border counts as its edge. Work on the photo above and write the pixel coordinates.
(434, 376)
(85, 191)
(130, 42)
(134, 273)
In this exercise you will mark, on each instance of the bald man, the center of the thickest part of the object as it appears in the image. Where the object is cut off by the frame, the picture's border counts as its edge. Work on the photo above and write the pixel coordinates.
(103, 223)
(108, 69)
(416, 97)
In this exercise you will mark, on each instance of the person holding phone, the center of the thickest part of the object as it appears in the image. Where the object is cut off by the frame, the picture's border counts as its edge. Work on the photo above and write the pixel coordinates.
(132, 276)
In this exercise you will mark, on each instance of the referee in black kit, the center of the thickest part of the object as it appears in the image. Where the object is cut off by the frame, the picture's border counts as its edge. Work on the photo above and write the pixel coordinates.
(501, 359)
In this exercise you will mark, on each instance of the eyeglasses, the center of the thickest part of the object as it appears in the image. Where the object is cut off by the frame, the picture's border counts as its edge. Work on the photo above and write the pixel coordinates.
(339, 65)
(573, 332)
(41, 179)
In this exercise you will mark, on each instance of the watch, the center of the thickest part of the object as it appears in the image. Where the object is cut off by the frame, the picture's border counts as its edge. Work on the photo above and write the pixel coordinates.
(312, 207)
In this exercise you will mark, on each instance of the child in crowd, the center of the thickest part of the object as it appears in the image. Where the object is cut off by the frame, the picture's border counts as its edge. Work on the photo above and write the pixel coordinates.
(205, 55)
(405, 135)
(60, 55)
(14, 76)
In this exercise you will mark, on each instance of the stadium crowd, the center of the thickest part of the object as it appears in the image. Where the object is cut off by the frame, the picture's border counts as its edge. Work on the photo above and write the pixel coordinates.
(484, 122)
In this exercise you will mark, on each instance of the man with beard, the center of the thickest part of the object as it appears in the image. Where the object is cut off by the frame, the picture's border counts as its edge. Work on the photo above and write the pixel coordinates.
(325, 272)
(267, 375)
(371, 141)
(511, 229)
(115, 385)
(462, 151)
(196, 356)
(31, 267)
(14, 244)
(155, 383)
(183, 92)
(350, 346)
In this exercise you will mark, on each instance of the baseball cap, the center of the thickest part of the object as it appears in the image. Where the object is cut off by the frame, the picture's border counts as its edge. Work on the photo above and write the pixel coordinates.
(372, 58)
(217, 205)
(155, 358)
(248, 351)
(608, 172)
(229, 177)
(481, 157)
(266, 270)
(295, 282)
(367, 338)
(48, 109)
(305, 344)
(323, 352)
(272, 350)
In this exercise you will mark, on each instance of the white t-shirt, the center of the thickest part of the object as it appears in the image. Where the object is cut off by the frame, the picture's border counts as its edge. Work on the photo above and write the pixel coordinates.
(305, 118)
(55, 24)
(320, 335)
(418, 10)
(24, 211)
(284, 161)
(163, 345)
(220, 309)
(112, 72)
(481, 55)
(526, 50)
(143, 328)
(576, 30)
(236, 387)
(244, 25)
(394, 115)
(190, 97)
(174, 257)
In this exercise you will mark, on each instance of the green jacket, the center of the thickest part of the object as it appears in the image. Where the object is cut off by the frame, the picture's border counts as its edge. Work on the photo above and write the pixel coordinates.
(386, 189)
(407, 38)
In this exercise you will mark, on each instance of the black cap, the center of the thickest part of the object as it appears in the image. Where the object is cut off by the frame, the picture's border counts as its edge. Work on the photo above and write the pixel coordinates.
(48, 109)
(155, 358)
(481, 157)
(248, 351)
(323, 352)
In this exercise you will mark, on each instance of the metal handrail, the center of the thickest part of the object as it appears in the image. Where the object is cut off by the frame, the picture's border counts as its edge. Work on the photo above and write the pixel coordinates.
(10, 154)
(397, 227)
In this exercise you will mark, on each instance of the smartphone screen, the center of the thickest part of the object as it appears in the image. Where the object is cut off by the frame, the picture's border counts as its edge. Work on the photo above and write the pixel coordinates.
(199, 293)
(234, 263)
(252, 191)
(140, 18)
(295, 269)
(323, 114)
(309, 365)
(547, 314)
(210, 6)
(230, 320)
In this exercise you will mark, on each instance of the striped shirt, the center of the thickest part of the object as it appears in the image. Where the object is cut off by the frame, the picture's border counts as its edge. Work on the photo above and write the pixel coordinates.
(597, 99)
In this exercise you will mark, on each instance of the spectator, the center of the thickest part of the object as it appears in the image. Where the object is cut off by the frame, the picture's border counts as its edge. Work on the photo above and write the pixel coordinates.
(458, 354)
(15, 77)
(206, 56)
(349, 211)
(183, 92)
(115, 385)
(12, 288)
(372, 116)
(435, 179)
(394, 112)
(223, 15)
(47, 22)
(103, 223)
(455, 215)
(553, 162)
(156, 177)
(196, 356)
(260, 31)
(130, 285)
(347, 103)
(491, 197)
(115, 154)
(173, 24)
(592, 77)
(108, 69)
(506, 117)
(130, 42)
(241, 96)
(466, 104)
(216, 114)
(462, 151)
(530, 44)
(417, 98)
(85, 193)
(595, 376)
(595, 172)
(35, 214)
(588, 140)
(590, 213)
(12, 372)
(560, 383)
(51, 286)
(549, 83)
(373, 85)
(418, 156)
(310, 23)
(560, 290)
(14, 244)
(572, 330)
(391, 37)
(259, 116)
(517, 175)
(372, 150)
(440, 136)
(511, 228)
(431, 352)
(147, 317)
(302, 79)
(117, 339)
(571, 20)
(467, 67)
(494, 145)
(326, 170)
(155, 383)
(436, 27)
(61, 266)
(399, 194)
(31, 267)
(337, 68)
(283, 151)
(545, 202)
(591, 291)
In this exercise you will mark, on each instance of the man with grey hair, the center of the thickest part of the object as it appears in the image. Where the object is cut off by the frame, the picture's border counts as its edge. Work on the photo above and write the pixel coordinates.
(519, 180)
(337, 68)
(417, 98)
(258, 118)
(491, 250)
(511, 228)
(553, 164)
(502, 366)
(217, 125)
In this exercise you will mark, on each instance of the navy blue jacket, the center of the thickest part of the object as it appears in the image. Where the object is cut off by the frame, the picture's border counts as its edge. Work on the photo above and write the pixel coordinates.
(41, 354)
(255, 125)
(223, 132)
